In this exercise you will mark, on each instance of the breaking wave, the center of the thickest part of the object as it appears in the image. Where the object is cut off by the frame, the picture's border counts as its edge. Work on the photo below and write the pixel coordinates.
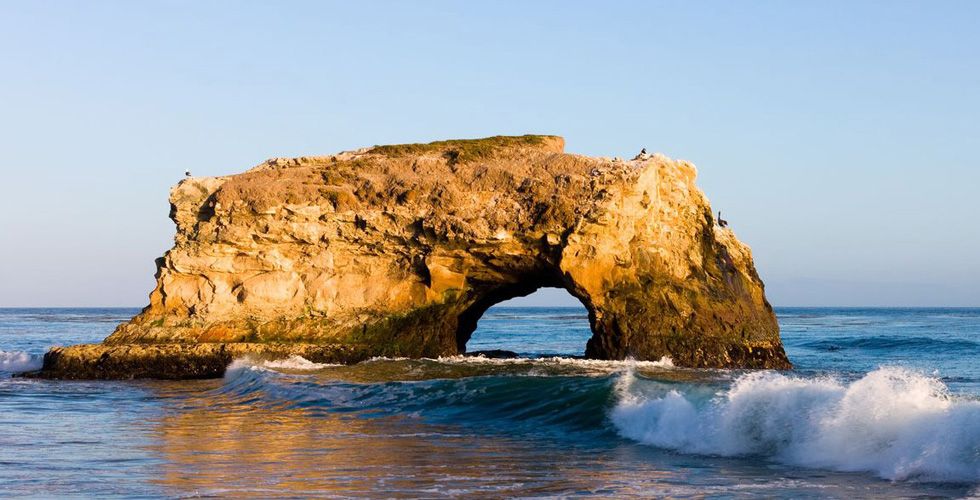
(19, 361)
(296, 363)
(894, 422)
(503, 402)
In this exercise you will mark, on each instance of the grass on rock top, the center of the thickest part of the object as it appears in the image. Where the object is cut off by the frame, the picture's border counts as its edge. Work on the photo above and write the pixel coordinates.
(461, 150)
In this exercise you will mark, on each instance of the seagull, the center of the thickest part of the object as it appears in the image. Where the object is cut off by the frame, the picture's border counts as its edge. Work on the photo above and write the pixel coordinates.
(187, 173)
(722, 222)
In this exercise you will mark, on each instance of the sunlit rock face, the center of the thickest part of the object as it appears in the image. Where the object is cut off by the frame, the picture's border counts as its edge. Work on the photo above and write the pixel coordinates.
(398, 250)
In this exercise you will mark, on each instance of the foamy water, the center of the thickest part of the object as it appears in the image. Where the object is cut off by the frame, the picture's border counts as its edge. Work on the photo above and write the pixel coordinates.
(295, 363)
(299, 363)
(19, 361)
(596, 364)
(894, 422)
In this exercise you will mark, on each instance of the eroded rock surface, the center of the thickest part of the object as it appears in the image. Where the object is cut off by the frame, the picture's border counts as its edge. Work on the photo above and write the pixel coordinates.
(398, 251)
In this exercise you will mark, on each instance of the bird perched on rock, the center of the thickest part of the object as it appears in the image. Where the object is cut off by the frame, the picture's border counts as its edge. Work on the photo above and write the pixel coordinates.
(187, 173)
(722, 222)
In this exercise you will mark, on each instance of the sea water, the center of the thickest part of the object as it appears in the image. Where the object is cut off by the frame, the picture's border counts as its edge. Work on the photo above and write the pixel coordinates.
(883, 402)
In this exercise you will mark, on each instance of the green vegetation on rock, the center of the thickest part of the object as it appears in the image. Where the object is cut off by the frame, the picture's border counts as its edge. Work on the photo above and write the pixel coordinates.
(463, 150)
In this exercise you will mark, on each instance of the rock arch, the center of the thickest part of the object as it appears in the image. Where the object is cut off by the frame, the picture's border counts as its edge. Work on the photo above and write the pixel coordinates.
(398, 250)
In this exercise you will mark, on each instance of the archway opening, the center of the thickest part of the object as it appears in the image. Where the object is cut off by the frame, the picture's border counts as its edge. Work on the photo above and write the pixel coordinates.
(532, 322)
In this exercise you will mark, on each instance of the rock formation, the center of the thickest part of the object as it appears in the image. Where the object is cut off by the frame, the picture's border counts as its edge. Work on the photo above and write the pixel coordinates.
(398, 251)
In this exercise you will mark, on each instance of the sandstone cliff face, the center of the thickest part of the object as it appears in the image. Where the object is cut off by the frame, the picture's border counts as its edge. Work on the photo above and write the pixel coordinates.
(398, 250)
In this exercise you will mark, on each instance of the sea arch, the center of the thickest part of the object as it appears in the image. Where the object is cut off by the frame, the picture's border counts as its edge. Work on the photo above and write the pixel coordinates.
(398, 250)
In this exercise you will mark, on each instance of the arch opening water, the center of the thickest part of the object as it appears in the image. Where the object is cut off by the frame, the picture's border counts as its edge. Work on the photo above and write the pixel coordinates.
(535, 322)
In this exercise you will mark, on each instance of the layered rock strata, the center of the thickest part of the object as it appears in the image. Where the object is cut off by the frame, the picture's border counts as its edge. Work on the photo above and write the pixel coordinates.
(398, 251)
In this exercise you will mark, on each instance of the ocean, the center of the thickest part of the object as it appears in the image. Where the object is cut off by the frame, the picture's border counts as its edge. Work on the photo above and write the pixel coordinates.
(882, 403)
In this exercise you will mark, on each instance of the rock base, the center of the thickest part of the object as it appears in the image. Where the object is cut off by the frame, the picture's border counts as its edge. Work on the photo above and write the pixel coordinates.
(210, 360)
(176, 361)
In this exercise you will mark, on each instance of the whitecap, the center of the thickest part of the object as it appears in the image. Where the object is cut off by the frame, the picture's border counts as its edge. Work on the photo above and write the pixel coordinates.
(292, 363)
(894, 422)
(296, 363)
(601, 364)
(19, 361)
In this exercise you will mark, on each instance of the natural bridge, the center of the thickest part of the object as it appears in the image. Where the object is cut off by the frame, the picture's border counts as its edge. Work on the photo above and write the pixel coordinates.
(398, 251)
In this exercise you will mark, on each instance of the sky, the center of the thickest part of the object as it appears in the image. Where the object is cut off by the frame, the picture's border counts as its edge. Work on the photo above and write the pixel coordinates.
(839, 139)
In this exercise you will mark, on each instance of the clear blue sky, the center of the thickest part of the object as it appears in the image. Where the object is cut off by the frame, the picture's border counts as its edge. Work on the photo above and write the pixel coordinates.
(839, 138)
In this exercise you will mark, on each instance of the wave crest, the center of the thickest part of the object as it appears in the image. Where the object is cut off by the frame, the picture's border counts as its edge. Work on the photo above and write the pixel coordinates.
(292, 363)
(894, 422)
(597, 364)
(19, 361)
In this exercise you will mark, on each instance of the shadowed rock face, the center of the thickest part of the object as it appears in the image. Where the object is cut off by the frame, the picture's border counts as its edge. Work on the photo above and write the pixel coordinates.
(398, 251)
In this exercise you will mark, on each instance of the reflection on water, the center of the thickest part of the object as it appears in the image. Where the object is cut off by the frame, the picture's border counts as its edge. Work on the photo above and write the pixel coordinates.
(265, 451)
(239, 437)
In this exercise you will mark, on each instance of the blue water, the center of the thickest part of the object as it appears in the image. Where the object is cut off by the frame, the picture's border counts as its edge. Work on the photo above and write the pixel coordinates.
(882, 403)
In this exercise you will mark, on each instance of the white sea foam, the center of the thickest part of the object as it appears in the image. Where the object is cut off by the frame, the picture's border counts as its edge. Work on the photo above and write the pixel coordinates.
(974, 493)
(19, 361)
(296, 363)
(292, 363)
(300, 363)
(664, 362)
(894, 422)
